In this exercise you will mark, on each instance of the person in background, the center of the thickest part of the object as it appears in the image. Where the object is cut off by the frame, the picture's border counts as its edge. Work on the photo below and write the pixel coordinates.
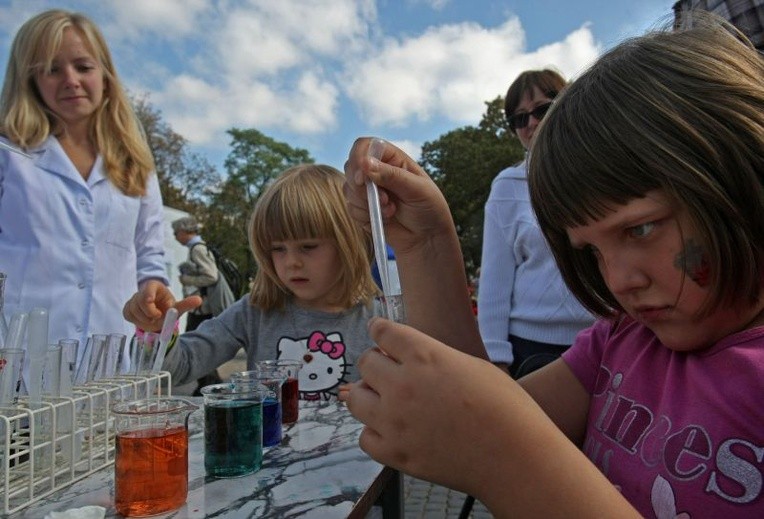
(746, 15)
(527, 316)
(650, 192)
(80, 212)
(312, 296)
(197, 275)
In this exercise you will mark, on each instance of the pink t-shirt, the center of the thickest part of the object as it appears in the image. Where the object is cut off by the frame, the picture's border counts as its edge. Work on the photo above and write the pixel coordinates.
(681, 435)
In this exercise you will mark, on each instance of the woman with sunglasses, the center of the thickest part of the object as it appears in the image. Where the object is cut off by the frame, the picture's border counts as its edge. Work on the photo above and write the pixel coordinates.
(526, 315)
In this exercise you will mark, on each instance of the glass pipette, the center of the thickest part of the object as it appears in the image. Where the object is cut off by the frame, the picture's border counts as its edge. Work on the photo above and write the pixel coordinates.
(390, 283)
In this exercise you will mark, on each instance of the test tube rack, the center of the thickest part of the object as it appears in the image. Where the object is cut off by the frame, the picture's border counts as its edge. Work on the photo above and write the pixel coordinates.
(64, 439)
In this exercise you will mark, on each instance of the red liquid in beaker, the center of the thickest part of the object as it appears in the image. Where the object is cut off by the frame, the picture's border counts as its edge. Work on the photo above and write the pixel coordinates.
(290, 397)
(151, 471)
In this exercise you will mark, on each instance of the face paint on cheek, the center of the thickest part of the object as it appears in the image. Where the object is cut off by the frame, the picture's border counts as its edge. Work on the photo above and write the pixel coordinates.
(694, 263)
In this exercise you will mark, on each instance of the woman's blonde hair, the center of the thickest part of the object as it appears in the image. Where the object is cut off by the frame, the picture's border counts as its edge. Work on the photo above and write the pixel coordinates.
(27, 121)
(681, 112)
(306, 202)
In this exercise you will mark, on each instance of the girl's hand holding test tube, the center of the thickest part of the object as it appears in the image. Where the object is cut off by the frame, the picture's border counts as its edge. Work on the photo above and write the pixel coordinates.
(413, 208)
(148, 307)
(165, 337)
(419, 227)
(391, 286)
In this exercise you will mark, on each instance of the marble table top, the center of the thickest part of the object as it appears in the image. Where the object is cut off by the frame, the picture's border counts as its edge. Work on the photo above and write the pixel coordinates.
(317, 471)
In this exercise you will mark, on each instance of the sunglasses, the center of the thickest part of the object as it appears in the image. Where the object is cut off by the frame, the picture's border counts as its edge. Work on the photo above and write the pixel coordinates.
(520, 120)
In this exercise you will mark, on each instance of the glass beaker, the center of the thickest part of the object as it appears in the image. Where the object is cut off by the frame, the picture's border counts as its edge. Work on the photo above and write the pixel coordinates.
(290, 389)
(272, 380)
(233, 430)
(151, 458)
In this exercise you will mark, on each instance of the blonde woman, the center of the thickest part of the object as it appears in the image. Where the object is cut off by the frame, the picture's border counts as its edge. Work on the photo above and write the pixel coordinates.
(80, 209)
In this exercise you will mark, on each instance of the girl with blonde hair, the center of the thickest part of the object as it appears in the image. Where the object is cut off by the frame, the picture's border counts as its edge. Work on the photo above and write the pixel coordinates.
(312, 295)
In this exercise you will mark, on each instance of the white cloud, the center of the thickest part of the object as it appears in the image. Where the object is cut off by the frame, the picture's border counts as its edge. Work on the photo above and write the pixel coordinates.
(289, 66)
(571, 56)
(202, 112)
(267, 64)
(167, 18)
(249, 46)
(317, 103)
(436, 5)
(412, 149)
(269, 37)
(451, 70)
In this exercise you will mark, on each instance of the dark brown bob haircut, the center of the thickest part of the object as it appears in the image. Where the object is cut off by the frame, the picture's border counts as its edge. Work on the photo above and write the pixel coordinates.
(548, 81)
(681, 112)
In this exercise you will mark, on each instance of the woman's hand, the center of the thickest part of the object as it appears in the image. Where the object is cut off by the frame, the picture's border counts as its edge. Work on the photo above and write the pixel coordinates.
(413, 207)
(147, 308)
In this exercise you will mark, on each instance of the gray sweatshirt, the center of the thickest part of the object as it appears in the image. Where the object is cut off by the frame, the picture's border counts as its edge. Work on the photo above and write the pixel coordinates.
(328, 344)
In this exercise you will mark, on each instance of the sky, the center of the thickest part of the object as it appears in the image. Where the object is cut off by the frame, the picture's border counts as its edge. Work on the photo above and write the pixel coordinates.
(316, 74)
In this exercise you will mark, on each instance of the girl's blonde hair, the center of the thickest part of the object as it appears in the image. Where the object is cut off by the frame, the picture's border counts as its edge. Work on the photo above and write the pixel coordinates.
(306, 202)
(681, 112)
(27, 121)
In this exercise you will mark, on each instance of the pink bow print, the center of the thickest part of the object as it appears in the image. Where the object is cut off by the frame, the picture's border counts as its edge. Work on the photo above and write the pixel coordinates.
(318, 342)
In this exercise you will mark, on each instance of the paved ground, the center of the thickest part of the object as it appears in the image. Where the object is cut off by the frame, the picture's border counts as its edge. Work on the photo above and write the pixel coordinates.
(423, 500)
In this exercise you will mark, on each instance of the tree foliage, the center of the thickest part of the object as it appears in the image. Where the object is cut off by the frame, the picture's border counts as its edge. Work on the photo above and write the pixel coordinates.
(185, 178)
(463, 163)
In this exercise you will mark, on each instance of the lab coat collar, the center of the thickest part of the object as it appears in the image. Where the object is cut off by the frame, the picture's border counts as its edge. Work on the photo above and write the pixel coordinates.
(51, 157)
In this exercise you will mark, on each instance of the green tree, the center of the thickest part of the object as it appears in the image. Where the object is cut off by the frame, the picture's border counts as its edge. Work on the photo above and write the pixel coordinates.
(185, 178)
(463, 162)
(255, 160)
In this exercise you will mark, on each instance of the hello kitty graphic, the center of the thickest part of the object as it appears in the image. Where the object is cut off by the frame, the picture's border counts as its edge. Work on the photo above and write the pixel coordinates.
(324, 365)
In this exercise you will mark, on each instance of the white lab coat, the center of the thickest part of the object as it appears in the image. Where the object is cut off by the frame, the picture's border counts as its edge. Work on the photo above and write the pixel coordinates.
(78, 248)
